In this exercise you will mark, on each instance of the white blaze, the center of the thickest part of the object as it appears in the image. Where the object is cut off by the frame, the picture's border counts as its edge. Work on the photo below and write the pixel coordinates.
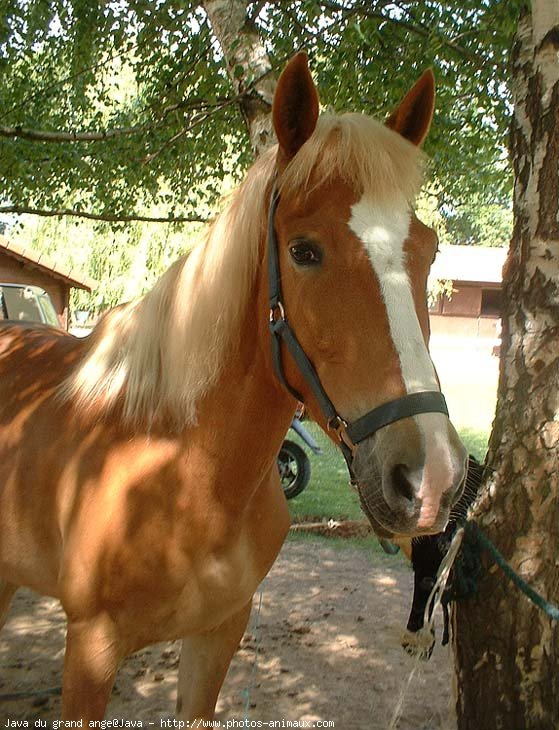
(383, 231)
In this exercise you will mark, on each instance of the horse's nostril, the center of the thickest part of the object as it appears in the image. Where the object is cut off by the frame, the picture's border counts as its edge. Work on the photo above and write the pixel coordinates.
(401, 482)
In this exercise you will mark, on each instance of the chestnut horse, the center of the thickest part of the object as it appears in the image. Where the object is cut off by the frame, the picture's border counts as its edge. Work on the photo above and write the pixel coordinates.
(138, 477)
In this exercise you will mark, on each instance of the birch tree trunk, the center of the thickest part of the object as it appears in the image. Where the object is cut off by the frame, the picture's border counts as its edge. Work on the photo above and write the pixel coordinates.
(248, 66)
(506, 650)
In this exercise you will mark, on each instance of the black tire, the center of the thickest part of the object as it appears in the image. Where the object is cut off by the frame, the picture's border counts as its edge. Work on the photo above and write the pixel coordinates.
(294, 468)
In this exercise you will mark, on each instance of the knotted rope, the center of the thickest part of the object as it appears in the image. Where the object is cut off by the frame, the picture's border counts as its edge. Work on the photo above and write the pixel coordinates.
(423, 639)
(463, 559)
(476, 542)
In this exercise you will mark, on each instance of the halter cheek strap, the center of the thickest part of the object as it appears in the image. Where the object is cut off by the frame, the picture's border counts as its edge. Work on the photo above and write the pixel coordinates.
(349, 434)
(282, 332)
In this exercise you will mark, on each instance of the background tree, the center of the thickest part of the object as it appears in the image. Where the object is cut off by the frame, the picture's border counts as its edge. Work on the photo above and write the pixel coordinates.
(249, 67)
(123, 112)
(507, 650)
(129, 109)
(476, 222)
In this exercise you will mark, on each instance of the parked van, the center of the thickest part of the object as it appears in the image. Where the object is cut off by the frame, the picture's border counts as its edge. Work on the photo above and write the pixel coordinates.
(24, 303)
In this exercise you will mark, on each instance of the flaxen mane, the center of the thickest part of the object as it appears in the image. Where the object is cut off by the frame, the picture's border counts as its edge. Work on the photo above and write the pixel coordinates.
(162, 353)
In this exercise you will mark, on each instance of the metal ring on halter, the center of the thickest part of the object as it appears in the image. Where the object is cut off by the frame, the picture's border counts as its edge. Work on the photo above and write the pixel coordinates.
(337, 424)
(277, 307)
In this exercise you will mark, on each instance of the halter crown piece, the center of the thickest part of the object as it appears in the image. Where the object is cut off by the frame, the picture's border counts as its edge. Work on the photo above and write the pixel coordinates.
(349, 434)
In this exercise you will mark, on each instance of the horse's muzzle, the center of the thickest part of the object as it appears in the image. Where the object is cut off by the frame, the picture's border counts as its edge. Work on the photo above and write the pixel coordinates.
(410, 474)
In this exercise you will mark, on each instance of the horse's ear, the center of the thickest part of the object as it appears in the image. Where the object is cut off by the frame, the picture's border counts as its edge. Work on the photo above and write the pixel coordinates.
(295, 107)
(413, 116)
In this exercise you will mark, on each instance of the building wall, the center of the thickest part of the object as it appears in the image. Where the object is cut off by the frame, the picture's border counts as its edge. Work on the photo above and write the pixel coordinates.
(486, 327)
(465, 301)
(13, 271)
(470, 312)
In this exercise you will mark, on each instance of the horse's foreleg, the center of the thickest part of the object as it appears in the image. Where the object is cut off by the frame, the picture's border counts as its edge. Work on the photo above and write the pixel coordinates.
(7, 591)
(90, 665)
(203, 665)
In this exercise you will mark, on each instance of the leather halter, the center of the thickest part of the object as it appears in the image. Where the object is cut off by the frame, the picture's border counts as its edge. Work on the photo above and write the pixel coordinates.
(349, 434)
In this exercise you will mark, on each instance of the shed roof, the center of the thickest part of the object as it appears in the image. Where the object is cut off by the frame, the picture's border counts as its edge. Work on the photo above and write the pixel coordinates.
(32, 257)
(480, 264)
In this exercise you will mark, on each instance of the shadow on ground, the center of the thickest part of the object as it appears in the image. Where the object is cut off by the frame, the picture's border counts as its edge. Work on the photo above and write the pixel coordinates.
(326, 640)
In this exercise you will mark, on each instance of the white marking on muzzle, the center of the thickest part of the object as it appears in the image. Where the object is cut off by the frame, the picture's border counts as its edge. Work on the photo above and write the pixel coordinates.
(438, 465)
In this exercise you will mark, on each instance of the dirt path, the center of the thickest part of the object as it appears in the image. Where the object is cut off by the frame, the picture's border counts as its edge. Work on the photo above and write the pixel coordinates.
(328, 648)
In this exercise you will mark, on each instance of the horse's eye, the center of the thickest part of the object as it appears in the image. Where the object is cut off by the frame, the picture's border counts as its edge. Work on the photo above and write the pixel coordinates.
(305, 253)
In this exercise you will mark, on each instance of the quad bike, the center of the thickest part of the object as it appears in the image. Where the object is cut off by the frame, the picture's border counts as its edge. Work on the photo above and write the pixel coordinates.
(293, 463)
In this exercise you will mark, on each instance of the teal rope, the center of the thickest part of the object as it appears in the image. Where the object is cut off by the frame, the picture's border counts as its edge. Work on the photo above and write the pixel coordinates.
(476, 536)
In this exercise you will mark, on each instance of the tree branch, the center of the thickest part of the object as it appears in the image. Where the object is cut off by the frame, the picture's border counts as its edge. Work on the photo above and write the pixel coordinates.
(246, 57)
(37, 135)
(108, 217)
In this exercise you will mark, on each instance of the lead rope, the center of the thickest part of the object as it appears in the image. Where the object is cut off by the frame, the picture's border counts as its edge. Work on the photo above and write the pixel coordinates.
(424, 636)
(443, 574)
(481, 541)
(252, 681)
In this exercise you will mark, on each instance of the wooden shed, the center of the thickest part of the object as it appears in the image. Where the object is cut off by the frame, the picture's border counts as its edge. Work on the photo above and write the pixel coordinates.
(24, 265)
(474, 307)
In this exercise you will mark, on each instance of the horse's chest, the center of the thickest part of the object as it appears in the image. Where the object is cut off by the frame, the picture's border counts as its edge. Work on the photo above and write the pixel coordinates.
(163, 574)
(213, 586)
(222, 584)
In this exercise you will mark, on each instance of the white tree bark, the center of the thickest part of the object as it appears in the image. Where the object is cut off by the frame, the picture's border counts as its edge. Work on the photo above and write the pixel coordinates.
(248, 66)
(506, 650)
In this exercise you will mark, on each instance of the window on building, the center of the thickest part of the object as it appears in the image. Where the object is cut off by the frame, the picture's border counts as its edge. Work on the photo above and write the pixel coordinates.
(21, 304)
(491, 302)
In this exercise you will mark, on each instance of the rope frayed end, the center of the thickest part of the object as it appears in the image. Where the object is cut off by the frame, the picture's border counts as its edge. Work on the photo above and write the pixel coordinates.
(419, 643)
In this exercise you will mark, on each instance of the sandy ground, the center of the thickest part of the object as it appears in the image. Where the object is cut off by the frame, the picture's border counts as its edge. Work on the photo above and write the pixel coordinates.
(325, 645)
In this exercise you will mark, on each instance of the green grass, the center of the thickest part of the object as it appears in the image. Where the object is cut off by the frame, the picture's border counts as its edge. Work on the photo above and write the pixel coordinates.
(475, 441)
(328, 494)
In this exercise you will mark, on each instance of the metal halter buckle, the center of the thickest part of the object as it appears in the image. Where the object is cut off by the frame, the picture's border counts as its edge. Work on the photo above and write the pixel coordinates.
(338, 425)
(277, 308)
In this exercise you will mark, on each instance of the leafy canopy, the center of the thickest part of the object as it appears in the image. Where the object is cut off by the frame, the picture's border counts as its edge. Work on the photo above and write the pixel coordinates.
(150, 76)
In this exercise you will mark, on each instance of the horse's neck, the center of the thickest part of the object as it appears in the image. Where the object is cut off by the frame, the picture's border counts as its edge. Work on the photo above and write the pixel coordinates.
(248, 409)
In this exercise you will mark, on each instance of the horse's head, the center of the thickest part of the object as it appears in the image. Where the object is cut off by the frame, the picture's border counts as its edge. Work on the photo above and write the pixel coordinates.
(354, 261)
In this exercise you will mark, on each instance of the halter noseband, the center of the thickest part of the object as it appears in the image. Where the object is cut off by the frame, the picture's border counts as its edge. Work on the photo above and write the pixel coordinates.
(349, 434)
